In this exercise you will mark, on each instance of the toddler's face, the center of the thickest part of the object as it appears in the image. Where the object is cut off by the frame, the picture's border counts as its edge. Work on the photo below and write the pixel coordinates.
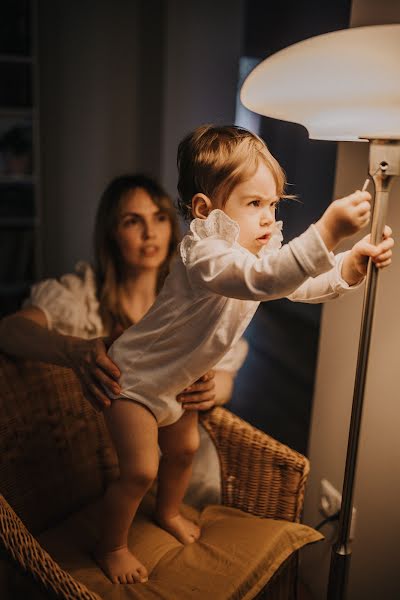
(252, 205)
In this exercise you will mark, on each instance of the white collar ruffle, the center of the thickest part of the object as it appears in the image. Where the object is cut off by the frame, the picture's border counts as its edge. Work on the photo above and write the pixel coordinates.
(219, 225)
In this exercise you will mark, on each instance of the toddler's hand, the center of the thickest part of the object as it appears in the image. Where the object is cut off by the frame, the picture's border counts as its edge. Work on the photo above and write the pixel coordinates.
(356, 261)
(344, 217)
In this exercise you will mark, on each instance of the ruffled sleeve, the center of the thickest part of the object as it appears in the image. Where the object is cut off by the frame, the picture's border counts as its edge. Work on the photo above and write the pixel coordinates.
(217, 225)
(69, 303)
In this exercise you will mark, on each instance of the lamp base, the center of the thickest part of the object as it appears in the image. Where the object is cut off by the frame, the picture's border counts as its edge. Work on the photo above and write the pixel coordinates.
(339, 572)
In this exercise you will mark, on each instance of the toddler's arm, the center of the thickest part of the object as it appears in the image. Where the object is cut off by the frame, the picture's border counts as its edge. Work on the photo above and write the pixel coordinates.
(226, 270)
(217, 266)
(348, 272)
(327, 286)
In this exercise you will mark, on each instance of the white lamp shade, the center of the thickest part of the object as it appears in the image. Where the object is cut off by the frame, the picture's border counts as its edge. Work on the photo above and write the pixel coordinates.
(343, 85)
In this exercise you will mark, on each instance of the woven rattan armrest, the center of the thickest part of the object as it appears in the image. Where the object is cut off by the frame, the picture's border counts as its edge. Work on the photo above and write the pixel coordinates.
(23, 549)
(259, 475)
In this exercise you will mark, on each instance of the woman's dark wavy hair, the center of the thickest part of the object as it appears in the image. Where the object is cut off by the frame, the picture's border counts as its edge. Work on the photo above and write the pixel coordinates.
(108, 261)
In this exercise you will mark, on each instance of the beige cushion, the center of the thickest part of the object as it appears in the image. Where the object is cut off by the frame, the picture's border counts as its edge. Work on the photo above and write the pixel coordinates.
(235, 557)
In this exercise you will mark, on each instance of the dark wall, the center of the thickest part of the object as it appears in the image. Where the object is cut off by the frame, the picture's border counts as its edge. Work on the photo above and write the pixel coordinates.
(274, 388)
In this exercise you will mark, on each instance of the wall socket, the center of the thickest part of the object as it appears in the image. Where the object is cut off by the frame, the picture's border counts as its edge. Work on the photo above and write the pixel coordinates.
(330, 501)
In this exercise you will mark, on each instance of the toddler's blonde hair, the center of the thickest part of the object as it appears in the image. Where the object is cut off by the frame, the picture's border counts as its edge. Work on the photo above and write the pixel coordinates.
(212, 160)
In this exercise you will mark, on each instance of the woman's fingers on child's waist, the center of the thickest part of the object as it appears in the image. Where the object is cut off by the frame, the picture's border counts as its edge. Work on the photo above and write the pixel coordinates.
(99, 376)
(199, 386)
(199, 406)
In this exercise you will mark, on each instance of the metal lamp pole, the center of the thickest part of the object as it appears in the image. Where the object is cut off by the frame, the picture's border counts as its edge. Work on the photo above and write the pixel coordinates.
(384, 165)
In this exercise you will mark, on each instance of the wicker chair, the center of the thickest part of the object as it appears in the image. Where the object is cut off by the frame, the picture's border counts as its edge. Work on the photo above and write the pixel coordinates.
(56, 458)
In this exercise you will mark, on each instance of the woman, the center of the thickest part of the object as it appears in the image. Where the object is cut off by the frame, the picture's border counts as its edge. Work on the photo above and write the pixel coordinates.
(72, 321)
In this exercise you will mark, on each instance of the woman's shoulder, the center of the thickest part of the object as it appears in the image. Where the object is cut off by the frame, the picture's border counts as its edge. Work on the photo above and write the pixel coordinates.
(81, 281)
(70, 302)
(73, 285)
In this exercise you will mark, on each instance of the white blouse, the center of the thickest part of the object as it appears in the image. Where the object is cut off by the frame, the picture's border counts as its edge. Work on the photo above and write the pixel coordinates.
(207, 302)
(70, 303)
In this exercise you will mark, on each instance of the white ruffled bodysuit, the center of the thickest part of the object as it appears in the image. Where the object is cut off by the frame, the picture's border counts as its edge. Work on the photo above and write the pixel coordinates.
(208, 300)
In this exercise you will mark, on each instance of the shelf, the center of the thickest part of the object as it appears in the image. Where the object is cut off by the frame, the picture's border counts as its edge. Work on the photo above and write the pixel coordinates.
(16, 59)
(18, 222)
(20, 195)
(16, 113)
(10, 289)
(17, 179)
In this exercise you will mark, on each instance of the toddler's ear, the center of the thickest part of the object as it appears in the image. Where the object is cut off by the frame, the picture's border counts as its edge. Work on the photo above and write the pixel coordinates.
(201, 206)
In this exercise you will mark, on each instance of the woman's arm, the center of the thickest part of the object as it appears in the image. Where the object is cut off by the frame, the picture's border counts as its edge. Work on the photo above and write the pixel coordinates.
(25, 334)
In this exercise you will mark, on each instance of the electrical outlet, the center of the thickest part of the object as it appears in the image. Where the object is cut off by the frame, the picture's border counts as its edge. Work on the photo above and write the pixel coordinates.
(330, 502)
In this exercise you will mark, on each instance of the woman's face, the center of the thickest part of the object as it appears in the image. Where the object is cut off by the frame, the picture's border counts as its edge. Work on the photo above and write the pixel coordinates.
(143, 232)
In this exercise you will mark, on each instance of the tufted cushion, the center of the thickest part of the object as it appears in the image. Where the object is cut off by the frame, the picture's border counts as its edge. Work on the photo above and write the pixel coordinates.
(235, 557)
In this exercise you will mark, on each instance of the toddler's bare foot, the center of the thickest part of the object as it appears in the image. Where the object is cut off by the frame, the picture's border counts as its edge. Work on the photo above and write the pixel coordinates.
(121, 566)
(184, 530)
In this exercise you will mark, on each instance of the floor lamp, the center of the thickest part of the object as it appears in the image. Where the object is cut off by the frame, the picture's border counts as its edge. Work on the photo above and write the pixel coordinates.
(342, 86)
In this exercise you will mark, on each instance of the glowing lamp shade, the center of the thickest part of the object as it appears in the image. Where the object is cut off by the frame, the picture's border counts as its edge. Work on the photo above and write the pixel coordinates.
(343, 85)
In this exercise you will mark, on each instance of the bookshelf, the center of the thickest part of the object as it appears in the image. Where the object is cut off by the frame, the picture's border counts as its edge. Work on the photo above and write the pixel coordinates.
(20, 197)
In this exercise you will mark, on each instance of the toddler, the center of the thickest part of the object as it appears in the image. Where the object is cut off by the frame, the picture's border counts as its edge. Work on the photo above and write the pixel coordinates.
(229, 261)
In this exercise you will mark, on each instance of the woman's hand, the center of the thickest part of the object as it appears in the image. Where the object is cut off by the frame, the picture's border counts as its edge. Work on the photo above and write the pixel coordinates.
(200, 395)
(26, 335)
(94, 368)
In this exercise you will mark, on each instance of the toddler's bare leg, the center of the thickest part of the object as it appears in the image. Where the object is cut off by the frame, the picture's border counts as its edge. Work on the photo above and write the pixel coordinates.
(134, 432)
(178, 443)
